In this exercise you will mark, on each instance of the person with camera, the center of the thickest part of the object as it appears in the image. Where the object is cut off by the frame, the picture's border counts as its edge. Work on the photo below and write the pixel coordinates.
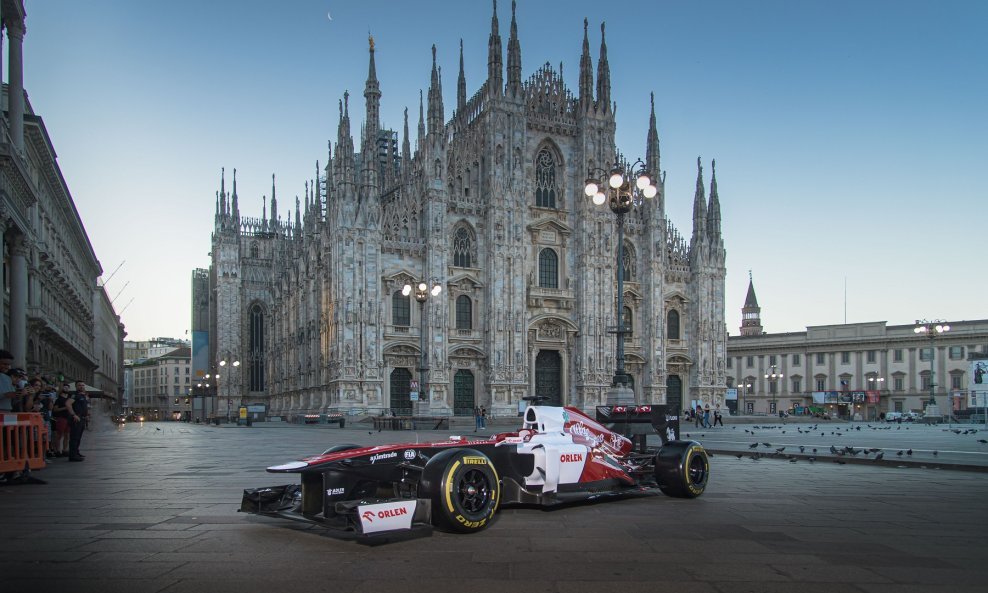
(77, 406)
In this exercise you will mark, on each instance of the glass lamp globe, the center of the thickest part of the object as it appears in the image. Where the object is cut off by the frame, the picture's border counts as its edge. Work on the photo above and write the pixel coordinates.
(650, 191)
(591, 188)
(616, 180)
(598, 198)
(643, 181)
(407, 290)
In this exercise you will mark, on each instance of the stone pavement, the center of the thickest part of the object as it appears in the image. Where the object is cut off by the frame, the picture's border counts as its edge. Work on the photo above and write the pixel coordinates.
(154, 509)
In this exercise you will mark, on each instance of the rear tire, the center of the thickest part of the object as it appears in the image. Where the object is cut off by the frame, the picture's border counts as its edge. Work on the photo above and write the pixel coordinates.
(682, 469)
(464, 489)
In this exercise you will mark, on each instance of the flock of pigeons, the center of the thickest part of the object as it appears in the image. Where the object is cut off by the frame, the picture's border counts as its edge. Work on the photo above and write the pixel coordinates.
(839, 454)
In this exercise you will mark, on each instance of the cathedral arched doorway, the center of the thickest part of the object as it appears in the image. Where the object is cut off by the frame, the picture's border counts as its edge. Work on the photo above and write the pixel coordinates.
(674, 393)
(401, 383)
(548, 377)
(464, 399)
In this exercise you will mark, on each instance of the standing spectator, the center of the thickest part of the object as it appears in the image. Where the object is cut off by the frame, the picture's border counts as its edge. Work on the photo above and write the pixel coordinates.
(78, 407)
(62, 422)
(24, 399)
(7, 390)
(483, 417)
(698, 416)
(476, 419)
(718, 419)
(706, 417)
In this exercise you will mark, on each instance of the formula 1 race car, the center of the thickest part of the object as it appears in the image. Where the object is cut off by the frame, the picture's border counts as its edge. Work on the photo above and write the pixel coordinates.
(560, 455)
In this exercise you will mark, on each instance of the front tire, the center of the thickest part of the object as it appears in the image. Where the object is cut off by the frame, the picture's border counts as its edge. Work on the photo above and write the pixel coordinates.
(464, 489)
(682, 469)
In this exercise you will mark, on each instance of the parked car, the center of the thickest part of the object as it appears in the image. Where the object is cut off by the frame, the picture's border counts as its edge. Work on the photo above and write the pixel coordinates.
(893, 416)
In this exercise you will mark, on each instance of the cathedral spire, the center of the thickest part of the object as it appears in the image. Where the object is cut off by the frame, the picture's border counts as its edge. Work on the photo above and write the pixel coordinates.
(235, 213)
(603, 77)
(222, 200)
(421, 131)
(495, 70)
(713, 208)
(264, 213)
(586, 70)
(406, 148)
(514, 57)
(274, 205)
(372, 95)
(699, 202)
(751, 313)
(436, 117)
(317, 194)
(344, 141)
(652, 146)
(298, 215)
(461, 84)
(217, 215)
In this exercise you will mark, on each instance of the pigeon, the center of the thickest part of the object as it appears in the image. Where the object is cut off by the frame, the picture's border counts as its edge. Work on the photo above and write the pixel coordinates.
(909, 452)
(687, 435)
(857, 428)
(801, 448)
(767, 444)
(753, 446)
(156, 428)
(833, 449)
(780, 449)
(369, 432)
(899, 454)
(880, 455)
(739, 455)
(814, 449)
(982, 441)
(811, 459)
(783, 432)
(792, 460)
(935, 453)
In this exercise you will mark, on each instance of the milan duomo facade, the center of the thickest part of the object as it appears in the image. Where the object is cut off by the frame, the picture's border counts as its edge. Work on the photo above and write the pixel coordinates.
(490, 205)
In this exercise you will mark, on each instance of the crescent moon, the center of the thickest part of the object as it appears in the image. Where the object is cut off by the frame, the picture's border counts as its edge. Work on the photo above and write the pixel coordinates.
(329, 16)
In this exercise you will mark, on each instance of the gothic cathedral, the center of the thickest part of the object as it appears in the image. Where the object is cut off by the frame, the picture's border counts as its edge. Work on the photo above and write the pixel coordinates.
(490, 208)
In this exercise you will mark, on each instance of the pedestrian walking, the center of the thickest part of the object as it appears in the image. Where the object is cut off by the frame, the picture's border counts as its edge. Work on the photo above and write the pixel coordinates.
(718, 418)
(706, 417)
(698, 416)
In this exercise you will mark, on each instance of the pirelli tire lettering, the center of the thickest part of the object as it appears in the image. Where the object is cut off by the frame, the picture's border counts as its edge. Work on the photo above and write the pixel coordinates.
(682, 469)
(464, 489)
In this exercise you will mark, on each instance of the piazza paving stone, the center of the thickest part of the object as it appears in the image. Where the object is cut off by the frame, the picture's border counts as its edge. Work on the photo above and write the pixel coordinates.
(156, 511)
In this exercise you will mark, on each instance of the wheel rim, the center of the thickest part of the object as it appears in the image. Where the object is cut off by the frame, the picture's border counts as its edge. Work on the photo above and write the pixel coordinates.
(696, 471)
(474, 491)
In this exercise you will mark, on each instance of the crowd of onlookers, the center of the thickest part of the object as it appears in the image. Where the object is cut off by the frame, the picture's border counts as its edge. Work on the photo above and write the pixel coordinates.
(64, 407)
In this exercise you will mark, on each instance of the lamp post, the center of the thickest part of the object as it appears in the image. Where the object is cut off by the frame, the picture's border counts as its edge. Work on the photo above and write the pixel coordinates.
(932, 330)
(772, 378)
(234, 364)
(621, 195)
(422, 293)
(744, 395)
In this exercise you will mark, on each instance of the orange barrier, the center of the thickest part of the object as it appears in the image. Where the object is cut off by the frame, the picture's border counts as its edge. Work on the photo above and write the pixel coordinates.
(23, 441)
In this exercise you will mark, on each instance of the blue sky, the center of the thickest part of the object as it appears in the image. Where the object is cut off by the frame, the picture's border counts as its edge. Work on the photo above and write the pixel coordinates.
(848, 133)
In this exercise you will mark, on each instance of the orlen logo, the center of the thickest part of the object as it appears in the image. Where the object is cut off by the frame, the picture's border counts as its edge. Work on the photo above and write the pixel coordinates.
(571, 457)
(386, 513)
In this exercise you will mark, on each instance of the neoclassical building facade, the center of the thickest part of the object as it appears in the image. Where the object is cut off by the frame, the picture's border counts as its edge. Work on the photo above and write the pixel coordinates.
(489, 207)
(56, 319)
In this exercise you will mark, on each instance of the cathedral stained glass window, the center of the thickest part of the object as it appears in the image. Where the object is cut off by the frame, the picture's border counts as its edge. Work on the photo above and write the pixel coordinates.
(462, 248)
(401, 310)
(672, 325)
(628, 261)
(256, 369)
(548, 269)
(545, 179)
(464, 312)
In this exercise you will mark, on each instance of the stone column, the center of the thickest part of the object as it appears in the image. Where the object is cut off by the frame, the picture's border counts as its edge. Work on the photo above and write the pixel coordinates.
(18, 301)
(15, 31)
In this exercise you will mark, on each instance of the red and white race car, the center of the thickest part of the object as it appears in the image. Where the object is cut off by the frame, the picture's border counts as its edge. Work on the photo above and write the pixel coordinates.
(560, 455)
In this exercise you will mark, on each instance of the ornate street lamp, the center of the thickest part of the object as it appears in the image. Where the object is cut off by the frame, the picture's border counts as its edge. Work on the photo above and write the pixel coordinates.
(932, 330)
(422, 292)
(746, 388)
(234, 364)
(621, 194)
(773, 377)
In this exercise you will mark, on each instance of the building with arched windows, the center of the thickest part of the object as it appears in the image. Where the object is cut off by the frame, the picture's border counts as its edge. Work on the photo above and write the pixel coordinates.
(490, 206)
